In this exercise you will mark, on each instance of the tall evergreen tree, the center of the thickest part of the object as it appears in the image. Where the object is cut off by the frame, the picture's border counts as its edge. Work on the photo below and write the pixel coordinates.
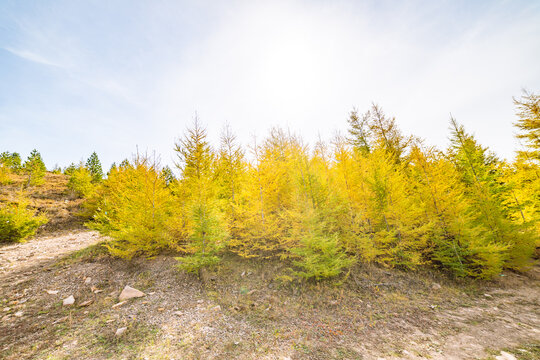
(34, 168)
(359, 131)
(94, 166)
(135, 209)
(11, 160)
(197, 193)
(167, 175)
(230, 177)
(68, 170)
(481, 172)
(112, 169)
(528, 125)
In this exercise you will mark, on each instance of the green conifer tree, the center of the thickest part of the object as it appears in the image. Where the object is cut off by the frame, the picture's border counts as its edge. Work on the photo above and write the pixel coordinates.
(94, 167)
(34, 168)
(529, 125)
(481, 172)
(168, 175)
(197, 197)
(11, 160)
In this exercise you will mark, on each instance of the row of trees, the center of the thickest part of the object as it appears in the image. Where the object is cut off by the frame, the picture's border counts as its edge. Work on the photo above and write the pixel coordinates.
(375, 195)
(34, 167)
(17, 220)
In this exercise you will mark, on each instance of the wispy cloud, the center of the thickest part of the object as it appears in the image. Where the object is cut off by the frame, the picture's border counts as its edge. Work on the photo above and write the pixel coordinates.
(32, 56)
(140, 77)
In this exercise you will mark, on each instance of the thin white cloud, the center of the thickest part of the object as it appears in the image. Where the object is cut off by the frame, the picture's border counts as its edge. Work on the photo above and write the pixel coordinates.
(300, 64)
(32, 56)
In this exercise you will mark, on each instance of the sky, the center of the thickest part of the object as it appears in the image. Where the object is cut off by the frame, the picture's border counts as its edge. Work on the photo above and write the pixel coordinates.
(116, 76)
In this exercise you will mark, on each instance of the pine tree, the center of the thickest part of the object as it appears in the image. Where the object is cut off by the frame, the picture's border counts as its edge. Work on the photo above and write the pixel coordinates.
(34, 168)
(94, 166)
(112, 169)
(167, 175)
(17, 221)
(197, 193)
(136, 209)
(481, 173)
(263, 226)
(8, 166)
(456, 242)
(81, 182)
(11, 160)
(318, 254)
(315, 245)
(375, 129)
(359, 131)
(230, 177)
(68, 170)
(521, 197)
(529, 125)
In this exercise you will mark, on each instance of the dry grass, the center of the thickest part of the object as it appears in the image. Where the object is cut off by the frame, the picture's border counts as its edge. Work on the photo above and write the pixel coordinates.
(52, 198)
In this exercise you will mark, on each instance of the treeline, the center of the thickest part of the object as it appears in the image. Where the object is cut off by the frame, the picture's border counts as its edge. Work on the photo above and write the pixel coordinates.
(17, 221)
(374, 195)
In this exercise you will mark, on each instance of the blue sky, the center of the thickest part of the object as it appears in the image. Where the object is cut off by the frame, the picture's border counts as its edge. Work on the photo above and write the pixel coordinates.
(111, 76)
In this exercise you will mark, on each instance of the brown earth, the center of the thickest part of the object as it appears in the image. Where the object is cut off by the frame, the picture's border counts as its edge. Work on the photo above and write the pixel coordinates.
(243, 312)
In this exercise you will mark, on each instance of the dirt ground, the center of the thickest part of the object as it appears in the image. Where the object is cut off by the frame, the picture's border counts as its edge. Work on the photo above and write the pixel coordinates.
(52, 198)
(244, 310)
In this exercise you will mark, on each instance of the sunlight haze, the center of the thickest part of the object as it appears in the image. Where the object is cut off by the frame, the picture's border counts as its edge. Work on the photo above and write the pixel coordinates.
(111, 76)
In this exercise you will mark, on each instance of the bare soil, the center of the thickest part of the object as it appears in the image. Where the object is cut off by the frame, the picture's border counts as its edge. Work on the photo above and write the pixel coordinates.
(242, 310)
(61, 206)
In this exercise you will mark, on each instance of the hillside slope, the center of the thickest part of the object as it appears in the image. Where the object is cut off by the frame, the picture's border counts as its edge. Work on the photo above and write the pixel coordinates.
(52, 198)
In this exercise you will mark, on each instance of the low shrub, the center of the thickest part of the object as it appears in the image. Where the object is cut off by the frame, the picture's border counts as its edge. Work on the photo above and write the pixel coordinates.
(17, 222)
(80, 182)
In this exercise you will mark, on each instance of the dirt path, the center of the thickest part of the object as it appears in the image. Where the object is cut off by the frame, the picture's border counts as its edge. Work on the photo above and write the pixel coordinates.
(17, 259)
(243, 312)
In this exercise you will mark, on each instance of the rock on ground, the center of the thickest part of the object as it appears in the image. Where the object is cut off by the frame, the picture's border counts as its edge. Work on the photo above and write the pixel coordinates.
(129, 293)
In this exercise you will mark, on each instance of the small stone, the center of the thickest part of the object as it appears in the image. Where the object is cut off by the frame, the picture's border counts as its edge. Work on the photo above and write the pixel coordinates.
(435, 286)
(88, 280)
(52, 292)
(178, 313)
(19, 314)
(129, 293)
(120, 331)
(68, 301)
(119, 304)
(7, 309)
(86, 303)
(505, 356)
(488, 295)
(216, 308)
